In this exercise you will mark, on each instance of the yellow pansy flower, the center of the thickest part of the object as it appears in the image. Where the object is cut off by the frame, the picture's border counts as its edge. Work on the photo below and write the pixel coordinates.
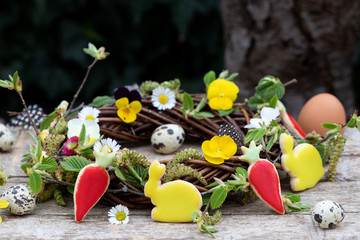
(127, 111)
(221, 94)
(218, 149)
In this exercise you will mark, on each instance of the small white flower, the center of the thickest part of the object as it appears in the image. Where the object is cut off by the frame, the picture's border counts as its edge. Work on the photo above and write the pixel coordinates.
(267, 115)
(119, 215)
(163, 98)
(91, 127)
(108, 145)
(89, 113)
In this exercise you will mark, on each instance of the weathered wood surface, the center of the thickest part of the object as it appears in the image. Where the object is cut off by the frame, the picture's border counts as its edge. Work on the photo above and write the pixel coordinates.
(253, 221)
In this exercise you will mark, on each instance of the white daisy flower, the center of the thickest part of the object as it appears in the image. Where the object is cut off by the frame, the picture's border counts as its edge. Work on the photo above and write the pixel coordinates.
(267, 115)
(119, 215)
(89, 113)
(108, 145)
(163, 98)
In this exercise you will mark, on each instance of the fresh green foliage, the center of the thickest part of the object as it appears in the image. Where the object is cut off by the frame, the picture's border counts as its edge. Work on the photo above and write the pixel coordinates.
(218, 197)
(188, 108)
(266, 136)
(35, 182)
(75, 163)
(292, 203)
(98, 54)
(267, 88)
(100, 101)
(220, 189)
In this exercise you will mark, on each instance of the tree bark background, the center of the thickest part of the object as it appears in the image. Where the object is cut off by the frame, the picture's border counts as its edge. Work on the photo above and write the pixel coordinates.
(313, 41)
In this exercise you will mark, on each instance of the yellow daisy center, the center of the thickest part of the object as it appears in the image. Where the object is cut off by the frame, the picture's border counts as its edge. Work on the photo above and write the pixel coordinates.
(106, 148)
(120, 216)
(163, 99)
(89, 117)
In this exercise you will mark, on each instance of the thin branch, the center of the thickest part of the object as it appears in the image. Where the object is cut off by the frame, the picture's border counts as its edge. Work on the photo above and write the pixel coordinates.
(292, 81)
(82, 84)
(28, 113)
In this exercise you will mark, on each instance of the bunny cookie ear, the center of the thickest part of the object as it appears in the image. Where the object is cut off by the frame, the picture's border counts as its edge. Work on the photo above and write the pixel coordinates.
(286, 144)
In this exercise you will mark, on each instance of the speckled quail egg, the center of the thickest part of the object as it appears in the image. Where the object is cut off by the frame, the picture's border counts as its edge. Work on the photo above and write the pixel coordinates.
(21, 199)
(167, 138)
(327, 214)
(6, 138)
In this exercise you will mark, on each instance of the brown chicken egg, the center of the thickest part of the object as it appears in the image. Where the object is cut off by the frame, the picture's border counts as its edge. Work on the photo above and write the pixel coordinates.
(321, 108)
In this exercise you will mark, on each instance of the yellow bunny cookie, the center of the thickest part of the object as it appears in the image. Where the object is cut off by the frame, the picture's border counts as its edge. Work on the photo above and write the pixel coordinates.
(303, 163)
(174, 201)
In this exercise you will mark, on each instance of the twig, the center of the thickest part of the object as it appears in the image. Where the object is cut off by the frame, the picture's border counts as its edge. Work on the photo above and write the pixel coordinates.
(292, 81)
(27, 112)
(82, 84)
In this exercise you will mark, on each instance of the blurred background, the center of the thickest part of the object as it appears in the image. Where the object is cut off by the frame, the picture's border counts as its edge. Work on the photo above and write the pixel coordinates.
(153, 40)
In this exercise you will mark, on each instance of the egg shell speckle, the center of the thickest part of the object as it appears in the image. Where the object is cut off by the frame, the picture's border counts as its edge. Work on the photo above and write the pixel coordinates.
(321, 108)
(167, 138)
(6, 138)
(21, 199)
(327, 214)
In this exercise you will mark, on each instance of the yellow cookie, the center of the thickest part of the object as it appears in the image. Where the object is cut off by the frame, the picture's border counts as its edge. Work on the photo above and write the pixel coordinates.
(174, 201)
(303, 163)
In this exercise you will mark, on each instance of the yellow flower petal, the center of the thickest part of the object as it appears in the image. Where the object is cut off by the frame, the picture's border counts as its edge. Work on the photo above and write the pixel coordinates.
(127, 115)
(213, 160)
(0, 219)
(4, 204)
(122, 102)
(228, 146)
(135, 106)
(220, 103)
(222, 87)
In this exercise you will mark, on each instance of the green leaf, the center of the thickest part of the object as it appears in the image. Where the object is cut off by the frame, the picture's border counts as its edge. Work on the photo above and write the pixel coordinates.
(218, 197)
(47, 121)
(209, 77)
(102, 100)
(87, 153)
(201, 115)
(250, 135)
(292, 197)
(224, 74)
(38, 149)
(273, 102)
(260, 133)
(201, 104)
(241, 171)
(271, 142)
(329, 125)
(351, 123)
(48, 164)
(194, 215)
(70, 189)
(75, 163)
(15, 78)
(26, 165)
(119, 174)
(225, 112)
(82, 134)
(6, 84)
(254, 101)
(188, 102)
(35, 182)
(232, 77)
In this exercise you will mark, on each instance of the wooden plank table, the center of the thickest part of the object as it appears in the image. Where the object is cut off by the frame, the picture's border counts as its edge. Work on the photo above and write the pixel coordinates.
(253, 221)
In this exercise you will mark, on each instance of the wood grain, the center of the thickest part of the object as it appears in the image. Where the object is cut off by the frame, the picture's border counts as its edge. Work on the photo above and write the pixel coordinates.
(253, 221)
